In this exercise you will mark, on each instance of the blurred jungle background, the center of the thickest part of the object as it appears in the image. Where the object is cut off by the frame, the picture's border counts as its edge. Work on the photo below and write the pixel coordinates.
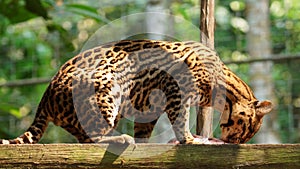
(37, 37)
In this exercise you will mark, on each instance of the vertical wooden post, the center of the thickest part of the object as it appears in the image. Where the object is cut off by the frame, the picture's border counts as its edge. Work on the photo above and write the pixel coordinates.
(207, 27)
(207, 23)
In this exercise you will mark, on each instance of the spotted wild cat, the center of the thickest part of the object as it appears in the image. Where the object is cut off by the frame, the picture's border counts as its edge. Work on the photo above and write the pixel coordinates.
(144, 78)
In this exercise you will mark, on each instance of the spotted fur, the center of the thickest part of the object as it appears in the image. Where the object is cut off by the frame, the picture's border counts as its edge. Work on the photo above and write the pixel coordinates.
(144, 78)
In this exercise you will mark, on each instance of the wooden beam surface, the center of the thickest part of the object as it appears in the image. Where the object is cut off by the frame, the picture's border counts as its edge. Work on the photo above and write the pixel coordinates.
(150, 156)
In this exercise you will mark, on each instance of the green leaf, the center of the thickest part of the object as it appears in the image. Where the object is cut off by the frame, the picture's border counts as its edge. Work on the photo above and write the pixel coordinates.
(16, 14)
(36, 7)
(86, 11)
(16, 113)
(18, 11)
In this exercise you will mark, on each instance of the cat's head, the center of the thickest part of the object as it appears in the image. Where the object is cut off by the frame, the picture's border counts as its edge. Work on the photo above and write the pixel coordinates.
(239, 122)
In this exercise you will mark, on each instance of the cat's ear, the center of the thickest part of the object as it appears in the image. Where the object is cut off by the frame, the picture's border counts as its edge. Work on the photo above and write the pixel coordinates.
(263, 107)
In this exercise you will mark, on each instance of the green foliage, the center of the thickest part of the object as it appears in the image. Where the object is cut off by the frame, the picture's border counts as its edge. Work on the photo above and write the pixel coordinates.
(87, 11)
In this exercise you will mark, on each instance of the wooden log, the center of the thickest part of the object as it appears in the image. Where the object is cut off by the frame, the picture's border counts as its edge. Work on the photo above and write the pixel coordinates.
(204, 125)
(150, 156)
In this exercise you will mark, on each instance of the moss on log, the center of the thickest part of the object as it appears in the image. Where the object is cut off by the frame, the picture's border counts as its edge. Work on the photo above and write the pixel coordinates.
(150, 156)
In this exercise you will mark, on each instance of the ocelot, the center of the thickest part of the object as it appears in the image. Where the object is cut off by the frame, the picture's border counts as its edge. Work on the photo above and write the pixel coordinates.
(143, 79)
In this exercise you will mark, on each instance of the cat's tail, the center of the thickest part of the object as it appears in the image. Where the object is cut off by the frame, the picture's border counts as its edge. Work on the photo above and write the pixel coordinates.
(33, 133)
(26, 138)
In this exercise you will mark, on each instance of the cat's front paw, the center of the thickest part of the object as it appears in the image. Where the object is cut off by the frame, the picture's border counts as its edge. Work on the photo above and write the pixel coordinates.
(198, 140)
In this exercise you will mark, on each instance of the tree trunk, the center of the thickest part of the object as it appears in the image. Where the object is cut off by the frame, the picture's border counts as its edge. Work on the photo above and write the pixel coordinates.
(158, 21)
(259, 46)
